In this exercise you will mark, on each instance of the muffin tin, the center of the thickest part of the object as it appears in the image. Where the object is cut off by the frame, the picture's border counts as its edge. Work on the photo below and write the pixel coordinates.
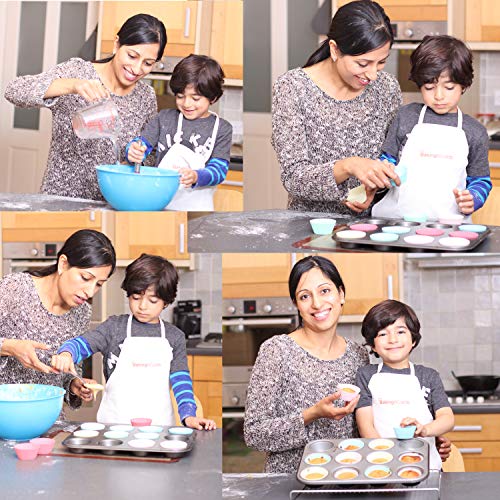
(169, 441)
(379, 232)
(364, 462)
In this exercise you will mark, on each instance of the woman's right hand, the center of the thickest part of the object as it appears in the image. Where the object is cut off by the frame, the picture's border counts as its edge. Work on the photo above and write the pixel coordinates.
(90, 90)
(24, 352)
(374, 174)
(326, 409)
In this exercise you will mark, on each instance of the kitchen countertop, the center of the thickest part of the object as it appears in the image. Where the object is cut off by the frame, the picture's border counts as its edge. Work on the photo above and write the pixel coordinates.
(276, 231)
(192, 350)
(454, 486)
(475, 408)
(195, 476)
(46, 202)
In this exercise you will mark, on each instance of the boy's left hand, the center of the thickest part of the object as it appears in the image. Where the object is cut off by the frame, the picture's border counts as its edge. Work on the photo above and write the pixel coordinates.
(464, 200)
(200, 423)
(79, 389)
(188, 176)
(358, 207)
(420, 430)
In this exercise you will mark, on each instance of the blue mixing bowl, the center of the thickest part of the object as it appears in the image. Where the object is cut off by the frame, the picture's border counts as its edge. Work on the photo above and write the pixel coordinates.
(28, 410)
(151, 190)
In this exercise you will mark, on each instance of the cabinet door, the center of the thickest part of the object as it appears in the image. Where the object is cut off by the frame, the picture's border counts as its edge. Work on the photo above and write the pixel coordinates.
(255, 275)
(483, 20)
(490, 213)
(179, 17)
(160, 233)
(207, 385)
(43, 226)
(226, 42)
(368, 278)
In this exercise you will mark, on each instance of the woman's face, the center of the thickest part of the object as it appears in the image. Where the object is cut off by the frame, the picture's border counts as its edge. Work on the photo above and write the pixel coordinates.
(318, 301)
(76, 285)
(358, 71)
(133, 62)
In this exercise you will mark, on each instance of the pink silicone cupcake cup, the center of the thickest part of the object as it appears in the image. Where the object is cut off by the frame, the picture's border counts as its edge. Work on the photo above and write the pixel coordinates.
(45, 445)
(26, 451)
(141, 422)
(468, 235)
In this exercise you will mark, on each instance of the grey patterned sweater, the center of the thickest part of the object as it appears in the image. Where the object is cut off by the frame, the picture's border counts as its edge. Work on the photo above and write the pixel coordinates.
(312, 130)
(24, 317)
(286, 380)
(72, 161)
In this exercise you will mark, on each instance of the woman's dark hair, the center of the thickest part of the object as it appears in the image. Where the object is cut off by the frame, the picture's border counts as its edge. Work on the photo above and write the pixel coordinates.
(202, 72)
(151, 270)
(140, 29)
(386, 313)
(440, 53)
(306, 264)
(356, 28)
(84, 249)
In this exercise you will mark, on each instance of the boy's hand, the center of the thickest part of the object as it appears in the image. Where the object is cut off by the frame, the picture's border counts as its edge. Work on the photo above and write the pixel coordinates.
(78, 388)
(420, 430)
(188, 176)
(136, 152)
(464, 200)
(358, 207)
(443, 445)
(63, 363)
(200, 423)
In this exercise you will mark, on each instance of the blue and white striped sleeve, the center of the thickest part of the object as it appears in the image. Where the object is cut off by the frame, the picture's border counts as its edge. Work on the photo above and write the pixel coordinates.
(479, 188)
(182, 386)
(78, 347)
(214, 173)
(388, 157)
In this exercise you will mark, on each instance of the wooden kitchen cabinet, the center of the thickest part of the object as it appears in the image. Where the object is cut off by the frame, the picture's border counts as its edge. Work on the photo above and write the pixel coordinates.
(160, 233)
(482, 20)
(477, 436)
(45, 226)
(229, 197)
(412, 10)
(489, 214)
(206, 372)
(179, 17)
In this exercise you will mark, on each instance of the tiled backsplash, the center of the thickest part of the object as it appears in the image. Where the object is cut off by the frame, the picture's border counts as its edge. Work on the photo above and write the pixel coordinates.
(231, 109)
(490, 82)
(459, 312)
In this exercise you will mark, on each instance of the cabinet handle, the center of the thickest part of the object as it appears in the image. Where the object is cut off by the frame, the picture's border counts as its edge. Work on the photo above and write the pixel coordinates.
(467, 428)
(181, 238)
(470, 451)
(187, 22)
(390, 290)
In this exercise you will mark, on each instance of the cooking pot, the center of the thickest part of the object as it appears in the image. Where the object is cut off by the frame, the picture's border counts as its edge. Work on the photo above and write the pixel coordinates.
(478, 383)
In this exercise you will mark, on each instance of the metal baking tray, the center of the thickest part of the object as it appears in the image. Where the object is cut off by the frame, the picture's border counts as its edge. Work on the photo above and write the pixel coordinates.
(341, 459)
(111, 446)
(434, 246)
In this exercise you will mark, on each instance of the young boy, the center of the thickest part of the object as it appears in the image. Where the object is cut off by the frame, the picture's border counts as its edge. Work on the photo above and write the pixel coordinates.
(143, 355)
(442, 153)
(395, 392)
(190, 138)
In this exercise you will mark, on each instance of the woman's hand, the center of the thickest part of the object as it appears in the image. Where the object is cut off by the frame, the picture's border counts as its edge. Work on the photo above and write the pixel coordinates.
(63, 363)
(374, 174)
(136, 152)
(326, 409)
(90, 90)
(200, 423)
(443, 445)
(24, 352)
(358, 207)
(78, 388)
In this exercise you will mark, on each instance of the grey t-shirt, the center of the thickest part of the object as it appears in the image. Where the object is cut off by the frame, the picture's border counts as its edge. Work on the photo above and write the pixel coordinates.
(108, 337)
(429, 379)
(477, 137)
(161, 129)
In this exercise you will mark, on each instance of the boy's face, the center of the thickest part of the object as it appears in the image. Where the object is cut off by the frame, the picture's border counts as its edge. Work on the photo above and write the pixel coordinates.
(394, 344)
(146, 306)
(191, 104)
(442, 96)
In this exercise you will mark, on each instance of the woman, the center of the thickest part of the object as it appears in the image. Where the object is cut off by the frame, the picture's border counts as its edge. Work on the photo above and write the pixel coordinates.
(69, 86)
(41, 309)
(331, 117)
(292, 397)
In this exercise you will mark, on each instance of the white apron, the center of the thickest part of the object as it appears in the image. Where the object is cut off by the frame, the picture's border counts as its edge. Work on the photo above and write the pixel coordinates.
(395, 397)
(200, 198)
(436, 158)
(140, 383)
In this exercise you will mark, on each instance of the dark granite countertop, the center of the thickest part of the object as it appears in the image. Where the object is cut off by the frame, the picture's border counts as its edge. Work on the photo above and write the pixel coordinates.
(196, 476)
(277, 231)
(494, 144)
(45, 202)
(192, 350)
(452, 486)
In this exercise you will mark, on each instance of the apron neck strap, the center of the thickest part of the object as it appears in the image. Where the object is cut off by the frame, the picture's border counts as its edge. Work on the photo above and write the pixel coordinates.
(424, 109)
(460, 118)
(179, 128)
(412, 368)
(129, 327)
